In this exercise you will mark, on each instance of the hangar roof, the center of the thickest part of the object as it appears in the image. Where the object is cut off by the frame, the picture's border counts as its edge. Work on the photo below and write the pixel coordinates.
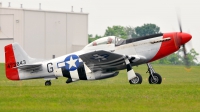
(41, 10)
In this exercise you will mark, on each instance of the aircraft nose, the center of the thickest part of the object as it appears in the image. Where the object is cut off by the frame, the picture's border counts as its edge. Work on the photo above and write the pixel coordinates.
(185, 37)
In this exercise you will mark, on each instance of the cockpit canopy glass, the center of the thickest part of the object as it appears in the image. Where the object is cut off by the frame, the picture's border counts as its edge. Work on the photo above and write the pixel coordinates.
(107, 40)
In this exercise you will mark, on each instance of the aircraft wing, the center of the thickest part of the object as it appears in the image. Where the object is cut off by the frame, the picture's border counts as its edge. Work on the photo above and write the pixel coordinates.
(103, 60)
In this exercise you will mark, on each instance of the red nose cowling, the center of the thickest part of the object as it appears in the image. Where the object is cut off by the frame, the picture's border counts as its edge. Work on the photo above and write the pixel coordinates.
(185, 37)
(167, 47)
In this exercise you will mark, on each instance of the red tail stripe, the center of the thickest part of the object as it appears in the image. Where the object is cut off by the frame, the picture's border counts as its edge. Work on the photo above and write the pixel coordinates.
(10, 63)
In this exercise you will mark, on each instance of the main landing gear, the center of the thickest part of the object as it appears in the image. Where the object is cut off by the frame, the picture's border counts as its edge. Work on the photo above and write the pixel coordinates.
(133, 78)
(48, 83)
(136, 80)
(154, 78)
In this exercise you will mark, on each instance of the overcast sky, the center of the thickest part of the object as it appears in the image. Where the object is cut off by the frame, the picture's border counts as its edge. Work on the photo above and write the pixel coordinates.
(104, 13)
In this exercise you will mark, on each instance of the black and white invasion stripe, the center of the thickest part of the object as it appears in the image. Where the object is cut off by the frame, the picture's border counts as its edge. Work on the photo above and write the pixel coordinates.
(81, 73)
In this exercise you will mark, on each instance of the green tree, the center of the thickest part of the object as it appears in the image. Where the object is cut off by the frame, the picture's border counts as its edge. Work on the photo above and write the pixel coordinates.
(164, 61)
(192, 57)
(118, 31)
(91, 38)
(170, 59)
(127, 32)
(147, 29)
(178, 58)
(174, 59)
(130, 31)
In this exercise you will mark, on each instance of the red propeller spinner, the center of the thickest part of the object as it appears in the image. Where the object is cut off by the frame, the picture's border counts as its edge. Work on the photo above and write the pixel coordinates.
(185, 37)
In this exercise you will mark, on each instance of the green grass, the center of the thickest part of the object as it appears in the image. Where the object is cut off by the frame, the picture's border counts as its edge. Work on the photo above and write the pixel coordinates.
(179, 91)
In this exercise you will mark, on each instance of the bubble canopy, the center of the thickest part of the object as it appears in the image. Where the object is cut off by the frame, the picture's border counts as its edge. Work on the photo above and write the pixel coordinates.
(107, 40)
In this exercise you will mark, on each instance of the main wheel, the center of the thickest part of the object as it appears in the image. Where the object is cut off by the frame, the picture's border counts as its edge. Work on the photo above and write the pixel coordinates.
(136, 80)
(156, 80)
(48, 83)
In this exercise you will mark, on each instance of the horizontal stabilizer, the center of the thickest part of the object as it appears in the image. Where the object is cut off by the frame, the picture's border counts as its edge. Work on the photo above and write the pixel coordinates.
(30, 67)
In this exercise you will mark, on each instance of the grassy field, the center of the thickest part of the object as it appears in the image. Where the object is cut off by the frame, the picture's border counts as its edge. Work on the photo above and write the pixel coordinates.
(179, 91)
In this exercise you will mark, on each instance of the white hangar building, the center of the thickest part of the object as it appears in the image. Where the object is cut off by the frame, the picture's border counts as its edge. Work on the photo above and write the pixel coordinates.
(42, 33)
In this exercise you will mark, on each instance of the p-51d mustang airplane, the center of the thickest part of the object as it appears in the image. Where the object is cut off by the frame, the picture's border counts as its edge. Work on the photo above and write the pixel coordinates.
(100, 59)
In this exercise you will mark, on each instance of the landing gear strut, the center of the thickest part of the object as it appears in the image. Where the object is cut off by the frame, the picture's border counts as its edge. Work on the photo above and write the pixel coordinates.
(48, 83)
(154, 78)
(133, 78)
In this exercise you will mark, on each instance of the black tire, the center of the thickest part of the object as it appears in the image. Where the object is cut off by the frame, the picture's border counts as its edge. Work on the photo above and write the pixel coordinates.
(158, 79)
(136, 80)
(48, 83)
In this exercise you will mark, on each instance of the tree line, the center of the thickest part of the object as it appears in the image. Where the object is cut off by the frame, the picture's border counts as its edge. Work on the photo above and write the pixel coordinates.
(176, 58)
(127, 32)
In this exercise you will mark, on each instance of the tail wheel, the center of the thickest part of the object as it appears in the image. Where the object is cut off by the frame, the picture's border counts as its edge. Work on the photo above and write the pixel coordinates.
(136, 80)
(156, 79)
(48, 83)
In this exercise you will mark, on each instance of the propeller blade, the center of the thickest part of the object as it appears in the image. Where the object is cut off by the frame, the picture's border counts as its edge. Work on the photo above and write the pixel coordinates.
(186, 59)
(184, 50)
(179, 22)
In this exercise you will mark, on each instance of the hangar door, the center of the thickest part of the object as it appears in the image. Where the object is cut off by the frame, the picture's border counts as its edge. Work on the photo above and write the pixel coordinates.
(6, 26)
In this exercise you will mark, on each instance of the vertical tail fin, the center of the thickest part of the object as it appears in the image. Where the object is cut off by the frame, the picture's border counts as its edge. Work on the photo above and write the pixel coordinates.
(14, 56)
